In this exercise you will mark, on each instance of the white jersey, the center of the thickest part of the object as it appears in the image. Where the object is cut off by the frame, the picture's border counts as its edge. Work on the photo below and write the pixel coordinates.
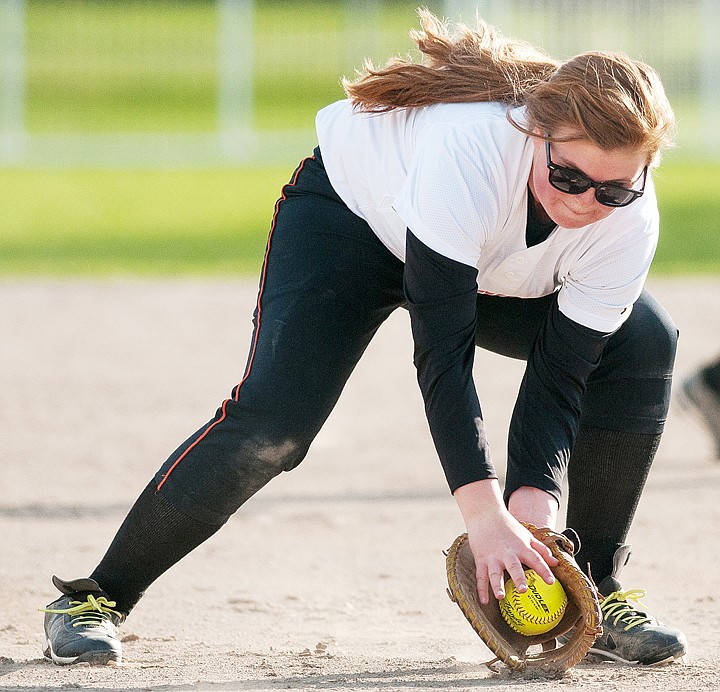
(457, 176)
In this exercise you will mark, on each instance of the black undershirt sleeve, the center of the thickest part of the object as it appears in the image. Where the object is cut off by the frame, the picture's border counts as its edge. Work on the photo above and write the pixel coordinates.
(441, 297)
(442, 301)
(547, 412)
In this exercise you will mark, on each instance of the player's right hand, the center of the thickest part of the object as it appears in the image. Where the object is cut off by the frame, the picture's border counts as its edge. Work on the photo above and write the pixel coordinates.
(499, 544)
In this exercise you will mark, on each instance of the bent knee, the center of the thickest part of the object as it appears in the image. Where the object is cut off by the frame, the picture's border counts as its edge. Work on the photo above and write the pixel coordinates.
(645, 346)
(277, 455)
(656, 333)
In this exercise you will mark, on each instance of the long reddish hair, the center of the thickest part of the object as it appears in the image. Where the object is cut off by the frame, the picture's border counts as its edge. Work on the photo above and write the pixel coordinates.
(606, 98)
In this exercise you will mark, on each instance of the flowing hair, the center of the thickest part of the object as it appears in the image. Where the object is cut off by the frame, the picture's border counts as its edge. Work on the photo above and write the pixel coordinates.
(607, 98)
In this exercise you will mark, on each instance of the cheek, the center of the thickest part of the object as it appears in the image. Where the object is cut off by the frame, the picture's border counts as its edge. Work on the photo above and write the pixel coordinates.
(545, 194)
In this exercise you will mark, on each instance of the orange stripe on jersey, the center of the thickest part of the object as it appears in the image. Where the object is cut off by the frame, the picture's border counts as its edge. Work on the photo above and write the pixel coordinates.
(263, 276)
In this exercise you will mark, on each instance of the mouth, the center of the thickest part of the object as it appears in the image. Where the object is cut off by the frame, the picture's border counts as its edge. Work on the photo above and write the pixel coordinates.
(572, 218)
(584, 215)
(579, 212)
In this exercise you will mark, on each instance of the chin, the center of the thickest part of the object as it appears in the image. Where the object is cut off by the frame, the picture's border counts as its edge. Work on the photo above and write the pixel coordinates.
(570, 219)
(572, 225)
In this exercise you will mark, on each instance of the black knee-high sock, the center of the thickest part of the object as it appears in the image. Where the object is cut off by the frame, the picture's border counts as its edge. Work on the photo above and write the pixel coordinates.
(606, 477)
(154, 536)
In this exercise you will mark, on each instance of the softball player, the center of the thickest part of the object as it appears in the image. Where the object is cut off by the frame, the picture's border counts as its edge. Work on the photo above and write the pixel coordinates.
(505, 200)
(700, 395)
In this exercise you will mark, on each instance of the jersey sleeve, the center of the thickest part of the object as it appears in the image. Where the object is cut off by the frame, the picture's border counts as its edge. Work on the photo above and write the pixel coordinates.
(442, 301)
(606, 280)
(449, 198)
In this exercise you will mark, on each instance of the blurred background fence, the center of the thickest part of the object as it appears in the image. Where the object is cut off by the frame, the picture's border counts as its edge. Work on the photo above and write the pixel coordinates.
(197, 83)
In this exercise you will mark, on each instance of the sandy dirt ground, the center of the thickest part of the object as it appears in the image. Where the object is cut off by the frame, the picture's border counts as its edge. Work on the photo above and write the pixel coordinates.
(332, 578)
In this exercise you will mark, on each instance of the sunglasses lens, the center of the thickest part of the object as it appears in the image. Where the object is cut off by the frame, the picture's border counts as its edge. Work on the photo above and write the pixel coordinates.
(568, 180)
(613, 196)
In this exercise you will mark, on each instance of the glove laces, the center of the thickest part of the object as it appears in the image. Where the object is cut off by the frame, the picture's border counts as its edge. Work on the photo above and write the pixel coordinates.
(616, 606)
(91, 612)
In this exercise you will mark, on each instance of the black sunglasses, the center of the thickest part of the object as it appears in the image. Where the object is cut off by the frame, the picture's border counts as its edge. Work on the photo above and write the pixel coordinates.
(575, 183)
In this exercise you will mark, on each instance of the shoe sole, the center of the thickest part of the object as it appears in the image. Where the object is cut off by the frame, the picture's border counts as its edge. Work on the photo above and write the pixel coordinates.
(94, 658)
(669, 656)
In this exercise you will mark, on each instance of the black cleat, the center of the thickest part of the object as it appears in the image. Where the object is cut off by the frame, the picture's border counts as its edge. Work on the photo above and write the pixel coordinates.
(630, 634)
(81, 626)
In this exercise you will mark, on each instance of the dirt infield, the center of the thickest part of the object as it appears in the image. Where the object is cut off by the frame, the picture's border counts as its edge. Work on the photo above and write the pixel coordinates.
(331, 578)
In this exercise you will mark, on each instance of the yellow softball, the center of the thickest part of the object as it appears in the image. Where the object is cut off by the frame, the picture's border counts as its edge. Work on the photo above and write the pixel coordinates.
(537, 610)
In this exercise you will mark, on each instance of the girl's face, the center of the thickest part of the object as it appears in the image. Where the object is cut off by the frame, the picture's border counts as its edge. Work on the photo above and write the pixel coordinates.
(622, 167)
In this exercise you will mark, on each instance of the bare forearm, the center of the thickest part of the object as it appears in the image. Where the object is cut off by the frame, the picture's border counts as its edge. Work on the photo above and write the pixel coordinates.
(479, 499)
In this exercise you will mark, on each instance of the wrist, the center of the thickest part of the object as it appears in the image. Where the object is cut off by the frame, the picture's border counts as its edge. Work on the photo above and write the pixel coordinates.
(534, 506)
(479, 499)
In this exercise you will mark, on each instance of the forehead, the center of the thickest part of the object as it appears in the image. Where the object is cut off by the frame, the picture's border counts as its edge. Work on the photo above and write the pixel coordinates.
(599, 164)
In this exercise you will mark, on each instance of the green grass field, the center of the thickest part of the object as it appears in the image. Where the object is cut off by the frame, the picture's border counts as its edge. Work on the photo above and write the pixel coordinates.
(83, 75)
(689, 218)
(136, 222)
(150, 65)
(60, 223)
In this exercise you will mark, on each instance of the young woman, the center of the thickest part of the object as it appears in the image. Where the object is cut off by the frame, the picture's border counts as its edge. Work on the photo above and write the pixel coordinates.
(505, 200)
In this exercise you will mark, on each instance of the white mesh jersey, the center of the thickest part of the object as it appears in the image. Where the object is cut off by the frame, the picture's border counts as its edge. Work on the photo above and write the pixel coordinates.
(456, 175)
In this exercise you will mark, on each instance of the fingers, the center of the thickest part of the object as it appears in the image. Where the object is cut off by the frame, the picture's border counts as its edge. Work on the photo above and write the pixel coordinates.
(497, 583)
(543, 562)
(491, 577)
(490, 580)
(544, 551)
(517, 574)
(481, 575)
(504, 547)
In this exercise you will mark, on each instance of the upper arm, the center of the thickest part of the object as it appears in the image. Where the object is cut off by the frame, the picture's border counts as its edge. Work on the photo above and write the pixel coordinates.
(435, 282)
(449, 198)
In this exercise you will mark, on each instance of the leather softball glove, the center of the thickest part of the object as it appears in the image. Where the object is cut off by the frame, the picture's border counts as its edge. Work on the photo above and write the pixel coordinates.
(578, 628)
